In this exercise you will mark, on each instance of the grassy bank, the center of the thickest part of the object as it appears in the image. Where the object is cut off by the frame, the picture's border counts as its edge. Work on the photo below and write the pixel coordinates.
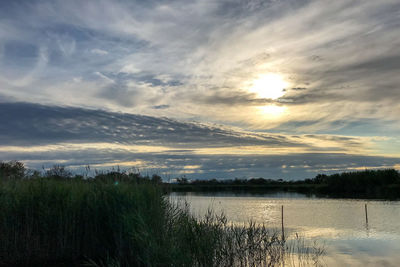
(120, 219)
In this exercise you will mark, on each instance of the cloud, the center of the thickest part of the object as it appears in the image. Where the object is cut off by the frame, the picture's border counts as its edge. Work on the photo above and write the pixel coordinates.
(195, 61)
(212, 49)
(161, 106)
(99, 52)
(204, 53)
(104, 77)
(129, 69)
(172, 164)
(38, 134)
(32, 124)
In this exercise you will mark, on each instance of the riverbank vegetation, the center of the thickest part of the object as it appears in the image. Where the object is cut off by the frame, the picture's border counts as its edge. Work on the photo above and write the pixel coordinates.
(119, 218)
(360, 184)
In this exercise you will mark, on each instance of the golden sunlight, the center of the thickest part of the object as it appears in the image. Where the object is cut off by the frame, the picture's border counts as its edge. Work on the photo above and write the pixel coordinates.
(269, 86)
(272, 111)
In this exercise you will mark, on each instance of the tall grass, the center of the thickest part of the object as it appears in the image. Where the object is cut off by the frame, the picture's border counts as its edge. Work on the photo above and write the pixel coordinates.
(48, 221)
(53, 221)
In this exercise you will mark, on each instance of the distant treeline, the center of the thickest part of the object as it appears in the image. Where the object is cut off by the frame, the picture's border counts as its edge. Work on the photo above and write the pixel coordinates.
(366, 184)
(359, 184)
(15, 170)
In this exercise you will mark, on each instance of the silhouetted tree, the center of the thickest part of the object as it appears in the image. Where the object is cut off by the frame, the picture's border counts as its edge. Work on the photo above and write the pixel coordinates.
(156, 179)
(58, 171)
(182, 180)
(12, 170)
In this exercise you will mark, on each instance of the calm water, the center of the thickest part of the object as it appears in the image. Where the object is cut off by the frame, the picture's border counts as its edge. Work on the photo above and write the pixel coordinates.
(337, 224)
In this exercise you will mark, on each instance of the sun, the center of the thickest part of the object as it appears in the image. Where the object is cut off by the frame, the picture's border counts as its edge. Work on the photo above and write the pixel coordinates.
(269, 85)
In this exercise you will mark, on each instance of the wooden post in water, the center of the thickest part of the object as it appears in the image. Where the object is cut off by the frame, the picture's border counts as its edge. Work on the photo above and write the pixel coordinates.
(366, 214)
(283, 229)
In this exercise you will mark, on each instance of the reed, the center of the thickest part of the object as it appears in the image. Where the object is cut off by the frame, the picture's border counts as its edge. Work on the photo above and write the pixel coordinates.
(50, 221)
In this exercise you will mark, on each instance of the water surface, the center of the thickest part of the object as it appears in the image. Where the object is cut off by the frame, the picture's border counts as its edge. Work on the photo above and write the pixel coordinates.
(338, 224)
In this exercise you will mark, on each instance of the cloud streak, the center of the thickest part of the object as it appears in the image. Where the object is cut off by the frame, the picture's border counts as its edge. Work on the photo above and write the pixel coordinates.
(45, 135)
(25, 124)
(87, 68)
(208, 51)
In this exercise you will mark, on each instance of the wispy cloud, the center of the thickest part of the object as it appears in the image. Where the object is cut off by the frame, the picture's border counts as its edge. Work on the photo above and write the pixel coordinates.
(46, 135)
(340, 53)
(33, 124)
(195, 61)
(99, 52)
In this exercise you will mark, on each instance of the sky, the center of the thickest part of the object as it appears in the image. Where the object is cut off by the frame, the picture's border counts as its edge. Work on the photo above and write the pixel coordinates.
(206, 89)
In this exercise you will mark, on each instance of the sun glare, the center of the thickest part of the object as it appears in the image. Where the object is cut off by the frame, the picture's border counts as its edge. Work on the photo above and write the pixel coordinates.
(272, 111)
(269, 86)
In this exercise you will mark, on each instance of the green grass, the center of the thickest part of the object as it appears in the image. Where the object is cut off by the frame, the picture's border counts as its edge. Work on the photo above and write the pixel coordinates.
(55, 221)
(47, 220)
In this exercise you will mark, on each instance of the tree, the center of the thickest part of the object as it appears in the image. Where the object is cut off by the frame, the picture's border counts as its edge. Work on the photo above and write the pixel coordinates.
(58, 171)
(12, 170)
(182, 180)
(156, 179)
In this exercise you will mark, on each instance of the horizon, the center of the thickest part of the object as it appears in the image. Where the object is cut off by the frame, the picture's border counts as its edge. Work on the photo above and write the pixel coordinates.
(274, 89)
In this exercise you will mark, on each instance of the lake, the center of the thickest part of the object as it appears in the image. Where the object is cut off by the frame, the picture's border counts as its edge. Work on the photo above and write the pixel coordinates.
(339, 225)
